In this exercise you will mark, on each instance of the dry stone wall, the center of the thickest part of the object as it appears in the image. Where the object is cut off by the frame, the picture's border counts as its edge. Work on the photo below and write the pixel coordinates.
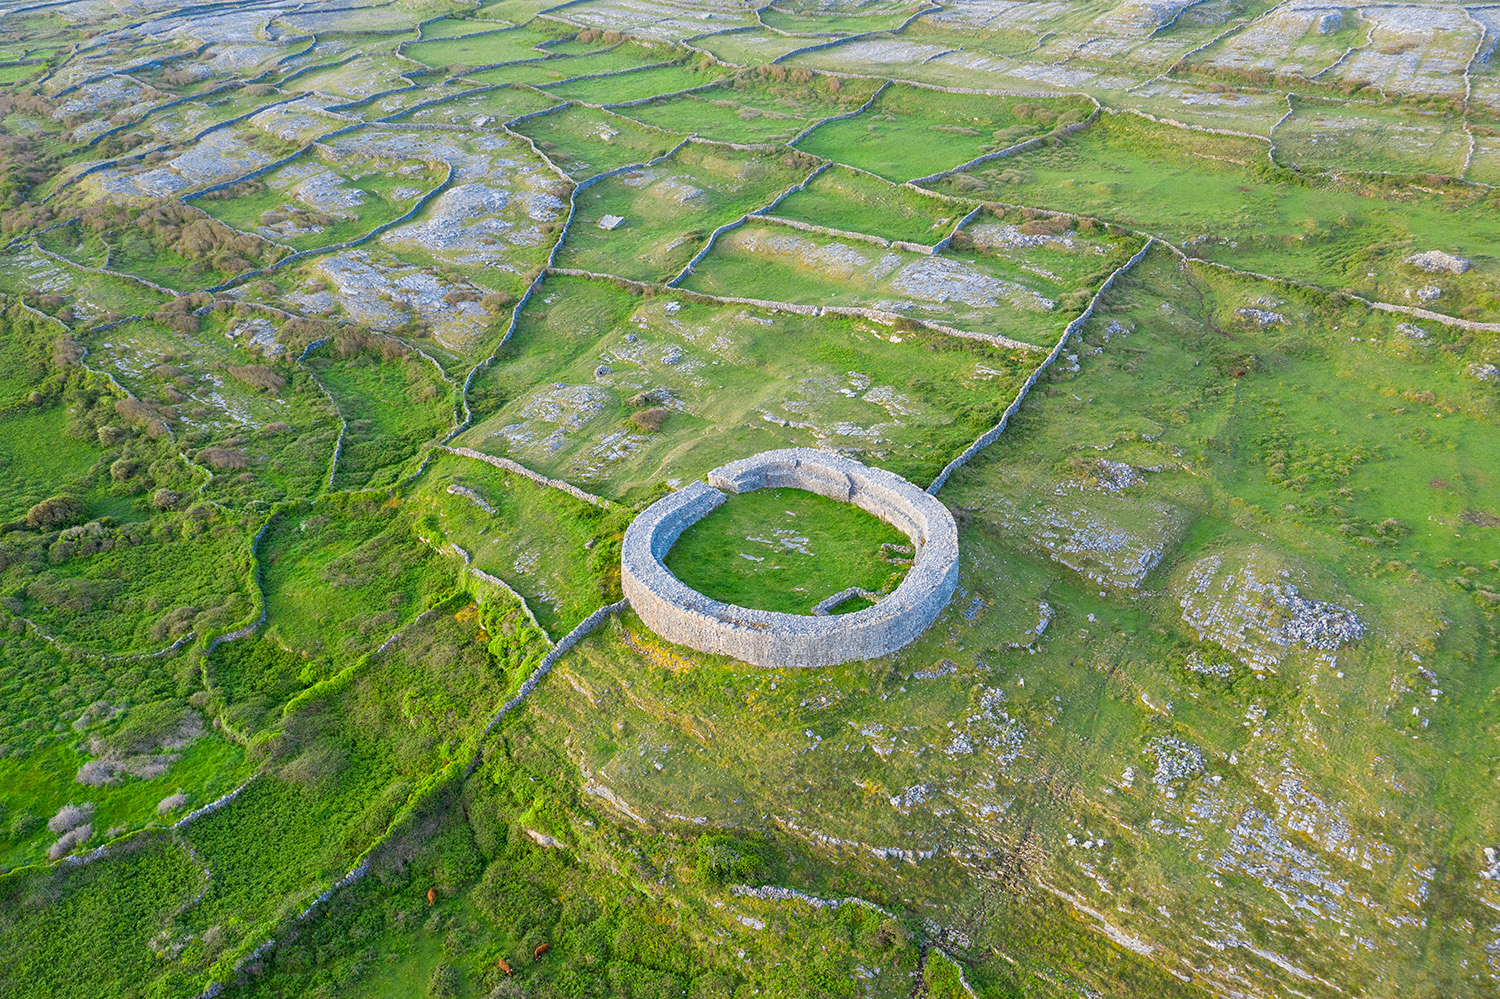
(681, 614)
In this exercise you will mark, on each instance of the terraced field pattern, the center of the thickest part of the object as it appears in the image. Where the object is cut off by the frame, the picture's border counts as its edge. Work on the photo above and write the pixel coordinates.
(342, 340)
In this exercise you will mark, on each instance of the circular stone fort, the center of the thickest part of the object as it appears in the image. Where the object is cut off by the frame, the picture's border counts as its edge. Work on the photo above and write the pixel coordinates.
(681, 614)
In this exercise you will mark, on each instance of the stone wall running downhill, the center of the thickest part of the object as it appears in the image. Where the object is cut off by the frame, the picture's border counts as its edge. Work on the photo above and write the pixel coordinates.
(681, 614)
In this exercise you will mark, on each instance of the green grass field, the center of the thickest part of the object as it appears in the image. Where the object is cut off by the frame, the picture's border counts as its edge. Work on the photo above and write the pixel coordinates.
(1007, 292)
(483, 49)
(714, 117)
(585, 141)
(1325, 133)
(786, 550)
(390, 407)
(670, 209)
(37, 456)
(552, 549)
(571, 61)
(631, 86)
(857, 202)
(340, 580)
(910, 132)
(499, 105)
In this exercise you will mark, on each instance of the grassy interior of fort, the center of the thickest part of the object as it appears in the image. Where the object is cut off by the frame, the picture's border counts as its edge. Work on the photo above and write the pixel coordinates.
(788, 549)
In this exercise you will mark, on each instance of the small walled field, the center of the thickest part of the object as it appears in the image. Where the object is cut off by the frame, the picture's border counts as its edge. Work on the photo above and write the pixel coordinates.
(786, 550)
(260, 421)
(714, 117)
(724, 382)
(801, 92)
(392, 400)
(477, 108)
(543, 543)
(555, 64)
(452, 27)
(357, 79)
(912, 132)
(632, 86)
(321, 199)
(993, 283)
(587, 141)
(1333, 134)
(507, 45)
(670, 209)
(834, 23)
(24, 270)
(749, 48)
(854, 201)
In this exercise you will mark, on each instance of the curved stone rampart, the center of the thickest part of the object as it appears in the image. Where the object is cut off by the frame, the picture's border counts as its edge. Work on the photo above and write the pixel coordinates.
(681, 614)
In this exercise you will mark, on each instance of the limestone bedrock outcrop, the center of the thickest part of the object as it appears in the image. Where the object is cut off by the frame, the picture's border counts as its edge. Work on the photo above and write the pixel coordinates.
(681, 614)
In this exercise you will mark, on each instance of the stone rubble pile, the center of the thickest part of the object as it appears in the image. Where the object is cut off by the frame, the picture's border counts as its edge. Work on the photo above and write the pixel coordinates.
(1491, 869)
(261, 334)
(1116, 476)
(1175, 761)
(1262, 317)
(1313, 623)
(457, 490)
(1438, 262)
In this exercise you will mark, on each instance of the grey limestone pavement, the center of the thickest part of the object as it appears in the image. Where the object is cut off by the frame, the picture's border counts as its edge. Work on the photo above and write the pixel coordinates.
(681, 614)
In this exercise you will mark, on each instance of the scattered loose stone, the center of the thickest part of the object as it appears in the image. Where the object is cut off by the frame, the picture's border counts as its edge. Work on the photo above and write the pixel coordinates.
(1250, 614)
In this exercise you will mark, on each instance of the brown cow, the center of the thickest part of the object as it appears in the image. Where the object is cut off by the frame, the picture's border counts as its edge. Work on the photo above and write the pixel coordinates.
(541, 949)
(505, 967)
(431, 896)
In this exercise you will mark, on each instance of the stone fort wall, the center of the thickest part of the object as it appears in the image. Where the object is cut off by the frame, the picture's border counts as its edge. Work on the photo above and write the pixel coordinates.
(681, 614)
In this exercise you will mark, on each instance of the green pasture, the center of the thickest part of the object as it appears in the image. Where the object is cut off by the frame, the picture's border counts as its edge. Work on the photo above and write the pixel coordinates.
(786, 550)
(912, 132)
(1335, 233)
(587, 141)
(670, 209)
(853, 201)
